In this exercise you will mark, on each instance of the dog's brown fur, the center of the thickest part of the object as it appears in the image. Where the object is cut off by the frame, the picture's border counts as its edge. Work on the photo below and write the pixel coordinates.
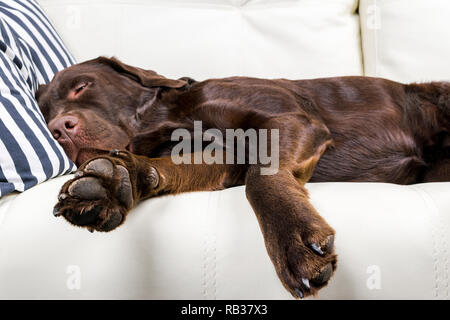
(334, 129)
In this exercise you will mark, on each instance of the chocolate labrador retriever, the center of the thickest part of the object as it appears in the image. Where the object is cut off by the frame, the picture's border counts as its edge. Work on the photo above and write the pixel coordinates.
(334, 129)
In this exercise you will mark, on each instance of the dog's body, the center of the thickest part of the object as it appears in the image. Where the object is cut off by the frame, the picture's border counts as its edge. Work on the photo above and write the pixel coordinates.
(335, 129)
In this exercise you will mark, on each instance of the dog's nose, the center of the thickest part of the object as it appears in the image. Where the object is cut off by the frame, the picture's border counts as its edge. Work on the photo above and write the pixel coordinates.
(63, 126)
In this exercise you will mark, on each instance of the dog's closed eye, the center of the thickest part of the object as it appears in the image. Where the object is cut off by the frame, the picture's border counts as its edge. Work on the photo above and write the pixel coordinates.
(77, 90)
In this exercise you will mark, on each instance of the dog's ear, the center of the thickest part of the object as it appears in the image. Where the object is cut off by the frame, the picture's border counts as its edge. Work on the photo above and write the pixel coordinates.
(147, 78)
(41, 89)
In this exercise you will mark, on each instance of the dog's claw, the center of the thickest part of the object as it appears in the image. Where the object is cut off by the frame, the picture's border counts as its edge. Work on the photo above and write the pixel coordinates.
(299, 293)
(91, 230)
(306, 283)
(62, 196)
(328, 247)
(56, 212)
(78, 174)
(317, 249)
(114, 152)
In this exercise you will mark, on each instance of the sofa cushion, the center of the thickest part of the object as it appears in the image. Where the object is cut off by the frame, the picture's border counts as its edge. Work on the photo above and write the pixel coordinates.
(216, 38)
(406, 40)
(30, 54)
(392, 243)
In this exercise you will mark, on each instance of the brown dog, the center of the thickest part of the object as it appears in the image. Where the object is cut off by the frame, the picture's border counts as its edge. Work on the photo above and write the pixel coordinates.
(335, 129)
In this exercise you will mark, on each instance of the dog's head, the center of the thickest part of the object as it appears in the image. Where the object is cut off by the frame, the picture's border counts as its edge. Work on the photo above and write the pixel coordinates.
(89, 106)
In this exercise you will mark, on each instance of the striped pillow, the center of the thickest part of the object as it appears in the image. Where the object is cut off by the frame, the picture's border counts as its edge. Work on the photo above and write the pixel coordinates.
(30, 54)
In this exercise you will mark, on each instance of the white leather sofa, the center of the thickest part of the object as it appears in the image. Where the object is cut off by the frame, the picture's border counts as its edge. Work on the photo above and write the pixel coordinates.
(393, 241)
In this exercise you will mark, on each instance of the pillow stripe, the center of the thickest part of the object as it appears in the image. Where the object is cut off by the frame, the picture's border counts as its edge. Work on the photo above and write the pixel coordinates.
(24, 53)
(31, 53)
(45, 145)
(19, 30)
(45, 24)
(11, 55)
(20, 81)
(8, 170)
(38, 28)
(53, 44)
(16, 120)
(52, 147)
(43, 74)
(16, 164)
(6, 187)
(4, 34)
(7, 36)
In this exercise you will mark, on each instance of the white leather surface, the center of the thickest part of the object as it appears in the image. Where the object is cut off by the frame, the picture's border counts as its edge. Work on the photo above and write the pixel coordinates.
(392, 241)
(208, 246)
(215, 38)
(406, 40)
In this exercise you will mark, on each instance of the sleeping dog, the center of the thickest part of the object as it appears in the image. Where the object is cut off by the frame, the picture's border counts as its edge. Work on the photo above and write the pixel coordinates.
(117, 122)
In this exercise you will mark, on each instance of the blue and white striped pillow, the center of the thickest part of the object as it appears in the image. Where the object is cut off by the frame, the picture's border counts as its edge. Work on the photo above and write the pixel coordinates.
(31, 52)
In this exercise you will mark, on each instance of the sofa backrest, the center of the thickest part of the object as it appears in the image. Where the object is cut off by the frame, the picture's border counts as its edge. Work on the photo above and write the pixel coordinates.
(404, 40)
(216, 38)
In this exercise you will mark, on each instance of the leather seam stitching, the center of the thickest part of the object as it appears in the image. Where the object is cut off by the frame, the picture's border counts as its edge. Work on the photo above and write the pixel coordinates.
(435, 240)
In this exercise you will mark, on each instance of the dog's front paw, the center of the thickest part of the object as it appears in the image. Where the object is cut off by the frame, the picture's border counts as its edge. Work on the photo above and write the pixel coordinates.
(304, 261)
(100, 194)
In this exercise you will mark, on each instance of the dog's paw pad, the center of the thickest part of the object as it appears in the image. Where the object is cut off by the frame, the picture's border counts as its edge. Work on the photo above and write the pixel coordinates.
(84, 217)
(153, 178)
(88, 188)
(100, 166)
(99, 196)
(125, 191)
(115, 218)
(323, 276)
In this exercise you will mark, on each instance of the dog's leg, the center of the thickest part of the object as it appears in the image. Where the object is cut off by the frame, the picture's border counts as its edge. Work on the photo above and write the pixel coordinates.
(299, 241)
(106, 188)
